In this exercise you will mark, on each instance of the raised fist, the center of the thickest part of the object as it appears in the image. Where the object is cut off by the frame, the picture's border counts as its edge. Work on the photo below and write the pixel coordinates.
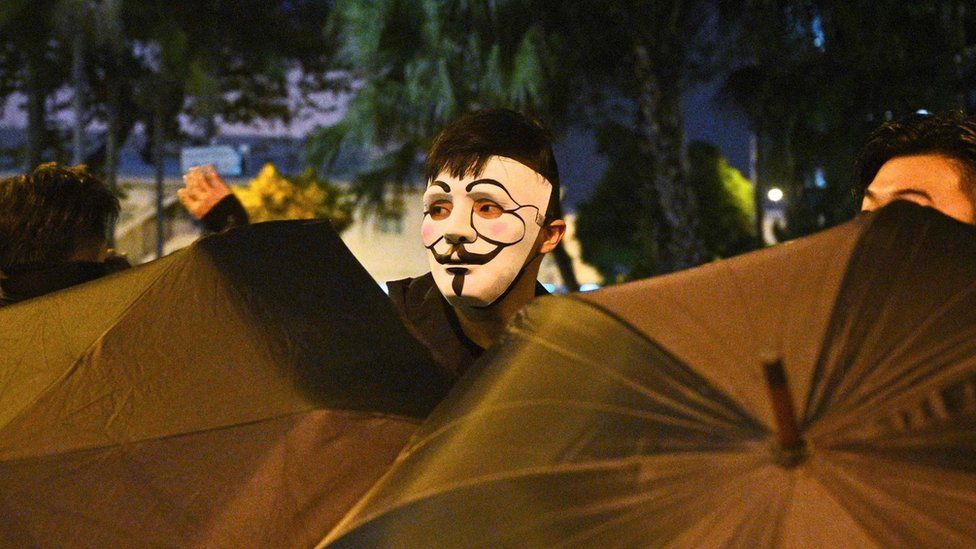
(203, 190)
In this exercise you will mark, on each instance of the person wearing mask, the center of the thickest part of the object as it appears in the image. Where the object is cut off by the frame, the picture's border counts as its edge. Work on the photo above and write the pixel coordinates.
(491, 212)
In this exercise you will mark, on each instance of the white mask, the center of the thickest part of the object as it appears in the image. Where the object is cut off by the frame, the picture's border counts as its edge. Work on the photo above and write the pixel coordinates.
(480, 231)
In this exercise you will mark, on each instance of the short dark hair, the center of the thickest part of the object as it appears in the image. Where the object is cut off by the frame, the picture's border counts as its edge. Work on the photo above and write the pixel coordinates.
(50, 214)
(464, 147)
(952, 136)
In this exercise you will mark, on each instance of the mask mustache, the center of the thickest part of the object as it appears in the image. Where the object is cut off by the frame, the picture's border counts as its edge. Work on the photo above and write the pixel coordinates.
(464, 256)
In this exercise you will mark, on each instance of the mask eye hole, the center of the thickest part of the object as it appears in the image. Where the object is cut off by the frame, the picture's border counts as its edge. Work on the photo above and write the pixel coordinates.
(439, 210)
(487, 209)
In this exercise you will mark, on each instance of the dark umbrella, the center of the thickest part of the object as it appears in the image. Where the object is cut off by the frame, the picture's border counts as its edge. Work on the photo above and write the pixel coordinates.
(641, 415)
(242, 392)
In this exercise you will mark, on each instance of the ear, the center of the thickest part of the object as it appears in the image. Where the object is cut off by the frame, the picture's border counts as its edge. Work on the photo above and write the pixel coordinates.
(551, 235)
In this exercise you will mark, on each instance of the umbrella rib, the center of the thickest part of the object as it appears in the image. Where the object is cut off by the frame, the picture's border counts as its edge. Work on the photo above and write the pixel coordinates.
(206, 430)
(845, 477)
(487, 411)
(903, 346)
(657, 396)
(546, 469)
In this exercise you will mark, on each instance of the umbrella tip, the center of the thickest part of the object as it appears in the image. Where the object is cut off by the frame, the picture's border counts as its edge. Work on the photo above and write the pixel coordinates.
(790, 449)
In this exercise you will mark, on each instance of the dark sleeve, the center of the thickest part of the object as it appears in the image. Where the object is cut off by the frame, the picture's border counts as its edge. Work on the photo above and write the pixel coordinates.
(227, 214)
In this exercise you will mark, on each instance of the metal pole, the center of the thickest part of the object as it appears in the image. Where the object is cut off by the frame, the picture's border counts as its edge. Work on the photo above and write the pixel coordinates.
(754, 167)
(158, 160)
(111, 148)
(78, 100)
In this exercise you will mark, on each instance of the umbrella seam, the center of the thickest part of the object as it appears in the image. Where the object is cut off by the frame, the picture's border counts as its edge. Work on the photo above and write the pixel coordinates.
(346, 412)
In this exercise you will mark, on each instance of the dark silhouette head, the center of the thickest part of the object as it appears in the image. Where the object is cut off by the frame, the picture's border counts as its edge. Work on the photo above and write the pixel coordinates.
(54, 215)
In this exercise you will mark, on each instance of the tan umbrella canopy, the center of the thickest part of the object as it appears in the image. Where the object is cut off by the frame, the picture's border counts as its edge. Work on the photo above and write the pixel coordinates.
(243, 392)
(641, 415)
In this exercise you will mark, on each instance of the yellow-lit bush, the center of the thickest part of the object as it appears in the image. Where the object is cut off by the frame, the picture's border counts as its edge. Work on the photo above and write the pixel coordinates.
(271, 196)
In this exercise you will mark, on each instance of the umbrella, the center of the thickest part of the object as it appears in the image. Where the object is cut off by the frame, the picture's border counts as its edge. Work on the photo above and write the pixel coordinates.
(653, 413)
(242, 392)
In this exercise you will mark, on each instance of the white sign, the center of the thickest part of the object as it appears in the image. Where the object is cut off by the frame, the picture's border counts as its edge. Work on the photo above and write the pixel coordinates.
(224, 158)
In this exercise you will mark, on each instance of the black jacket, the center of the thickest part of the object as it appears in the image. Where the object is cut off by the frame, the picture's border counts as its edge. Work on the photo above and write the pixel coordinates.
(27, 281)
(432, 320)
(226, 214)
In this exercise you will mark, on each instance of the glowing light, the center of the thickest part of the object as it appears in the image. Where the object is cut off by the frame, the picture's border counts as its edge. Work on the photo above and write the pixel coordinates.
(922, 111)
(819, 180)
(775, 194)
(589, 287)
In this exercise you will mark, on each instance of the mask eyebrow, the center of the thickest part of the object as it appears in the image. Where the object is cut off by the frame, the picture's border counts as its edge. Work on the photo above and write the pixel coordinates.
(490, 182)
(913, 192)
(441, 184)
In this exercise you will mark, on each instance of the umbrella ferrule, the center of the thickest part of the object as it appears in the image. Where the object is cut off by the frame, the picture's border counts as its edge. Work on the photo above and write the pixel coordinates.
(790, 449)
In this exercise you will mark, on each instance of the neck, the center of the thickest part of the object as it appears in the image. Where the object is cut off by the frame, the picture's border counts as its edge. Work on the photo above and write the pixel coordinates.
(484, 325)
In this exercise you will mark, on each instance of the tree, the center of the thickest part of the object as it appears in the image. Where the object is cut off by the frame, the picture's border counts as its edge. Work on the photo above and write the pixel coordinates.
(725, 198)
(236, 58)
(815, 77)
(32, 63)
(609, 222)
(643, 54)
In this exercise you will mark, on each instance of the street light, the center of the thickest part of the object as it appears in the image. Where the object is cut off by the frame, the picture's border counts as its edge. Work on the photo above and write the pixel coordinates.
(775, 194)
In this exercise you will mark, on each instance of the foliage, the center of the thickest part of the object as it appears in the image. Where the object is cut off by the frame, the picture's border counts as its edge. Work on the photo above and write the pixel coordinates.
(726, 207)
(203, 60)
(419, 65)
(642, 54)
(33, 64)
(816, 77)
(608, 223)
(272, 196)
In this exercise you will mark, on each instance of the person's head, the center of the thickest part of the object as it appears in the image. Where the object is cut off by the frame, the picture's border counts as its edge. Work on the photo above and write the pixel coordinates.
(927, 159)
(54, 215)
(491, 208)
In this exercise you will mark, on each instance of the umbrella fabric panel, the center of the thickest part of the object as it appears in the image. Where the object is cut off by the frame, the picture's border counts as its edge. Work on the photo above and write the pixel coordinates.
(319, 306)
(238, 328)
(152, 375)
(901, 503)
(41, 338)
(907, 313)
(724, 316)
(280, 482)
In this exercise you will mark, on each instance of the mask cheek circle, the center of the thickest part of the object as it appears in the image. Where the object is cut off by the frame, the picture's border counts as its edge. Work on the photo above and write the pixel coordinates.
(506, 229)
(431, 231)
